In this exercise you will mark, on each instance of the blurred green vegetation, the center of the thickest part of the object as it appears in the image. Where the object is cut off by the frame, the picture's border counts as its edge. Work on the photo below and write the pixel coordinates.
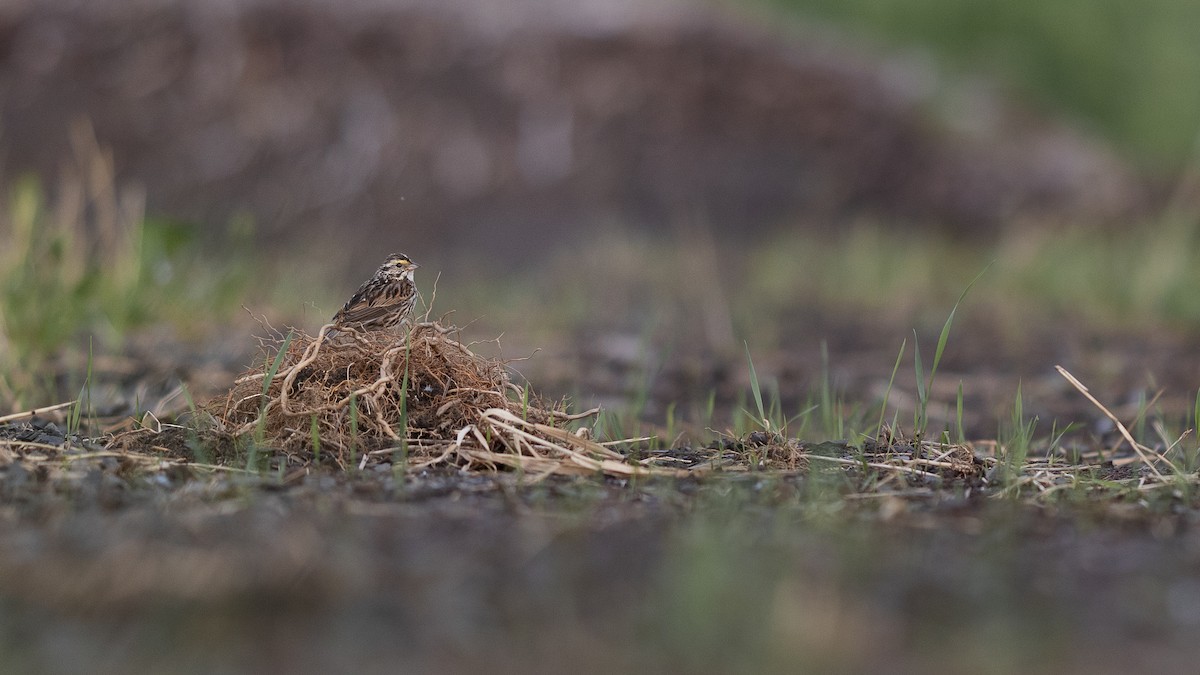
(1130, 69)
(1146, 275)
(86, 269)
(1142, 276)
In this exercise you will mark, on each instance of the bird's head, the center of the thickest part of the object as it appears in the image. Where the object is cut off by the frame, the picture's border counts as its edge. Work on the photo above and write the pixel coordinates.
(398, 262)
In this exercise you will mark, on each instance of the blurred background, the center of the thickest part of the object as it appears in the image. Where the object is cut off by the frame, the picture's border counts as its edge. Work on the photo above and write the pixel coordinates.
(440, 126)
(636, 188)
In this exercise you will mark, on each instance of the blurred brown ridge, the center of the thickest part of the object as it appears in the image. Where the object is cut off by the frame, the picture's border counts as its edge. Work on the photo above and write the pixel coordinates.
(436, 123)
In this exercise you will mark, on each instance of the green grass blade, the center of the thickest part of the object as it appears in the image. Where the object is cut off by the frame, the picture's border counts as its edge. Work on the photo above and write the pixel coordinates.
(944, 337)
(353, 431)
(314, 431)
(958, 414)
(261, 426)
(887, 394)
(275, 365)
(756, 389)
(400, 464)
(922, 399)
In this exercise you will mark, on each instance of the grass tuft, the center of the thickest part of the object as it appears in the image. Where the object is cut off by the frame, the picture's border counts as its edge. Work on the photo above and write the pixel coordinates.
(91, 265)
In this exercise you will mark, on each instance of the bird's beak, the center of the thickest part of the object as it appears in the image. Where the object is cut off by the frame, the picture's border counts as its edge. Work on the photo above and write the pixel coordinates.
(413, 265)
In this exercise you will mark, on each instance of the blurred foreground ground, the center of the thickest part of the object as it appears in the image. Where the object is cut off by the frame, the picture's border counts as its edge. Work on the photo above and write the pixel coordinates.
(454, 574)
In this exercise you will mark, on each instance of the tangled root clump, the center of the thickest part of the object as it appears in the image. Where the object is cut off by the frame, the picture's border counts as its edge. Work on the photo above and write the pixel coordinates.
(373, 395)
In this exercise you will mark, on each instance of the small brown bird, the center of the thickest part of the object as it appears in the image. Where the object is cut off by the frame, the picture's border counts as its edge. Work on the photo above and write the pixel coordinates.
(384, 301)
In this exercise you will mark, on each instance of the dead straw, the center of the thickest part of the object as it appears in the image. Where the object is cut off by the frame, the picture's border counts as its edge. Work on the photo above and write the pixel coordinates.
(424, 394)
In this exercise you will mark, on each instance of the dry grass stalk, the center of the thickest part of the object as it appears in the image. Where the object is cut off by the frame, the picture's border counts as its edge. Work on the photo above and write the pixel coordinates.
(1148, 456)
(35, 411)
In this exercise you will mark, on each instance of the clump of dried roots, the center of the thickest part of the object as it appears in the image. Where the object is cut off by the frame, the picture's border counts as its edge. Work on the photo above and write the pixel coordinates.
(423, 397)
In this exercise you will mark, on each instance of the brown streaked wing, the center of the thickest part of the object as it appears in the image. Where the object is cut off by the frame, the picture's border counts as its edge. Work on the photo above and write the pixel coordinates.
(367, 314)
